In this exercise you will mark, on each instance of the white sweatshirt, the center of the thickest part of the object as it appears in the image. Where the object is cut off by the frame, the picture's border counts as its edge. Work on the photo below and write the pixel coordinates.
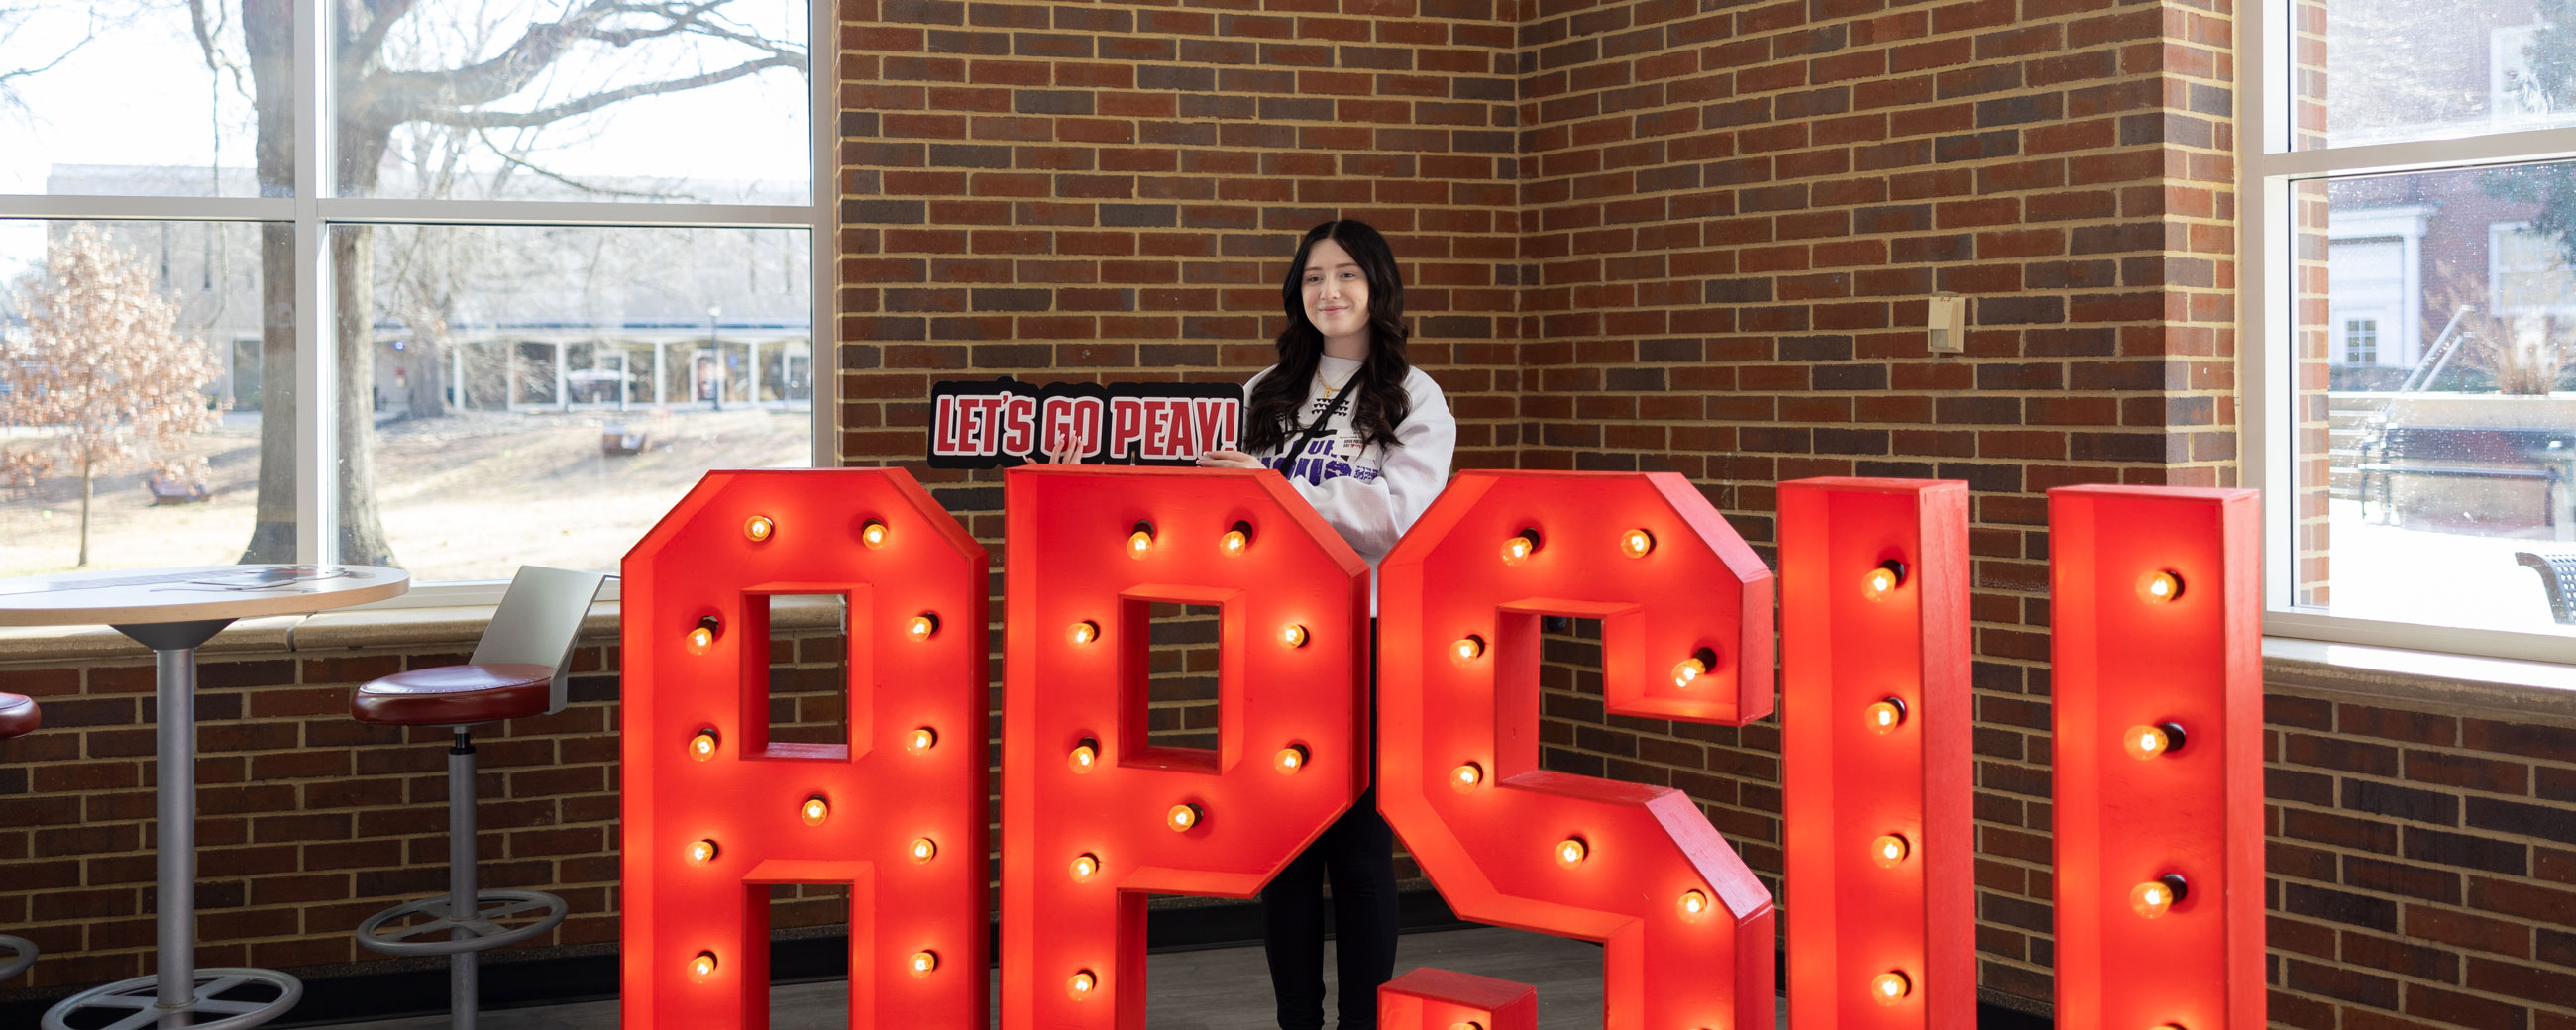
(1369, 492)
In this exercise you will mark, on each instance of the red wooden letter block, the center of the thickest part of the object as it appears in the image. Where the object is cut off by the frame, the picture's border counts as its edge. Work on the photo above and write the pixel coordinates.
(1875, 718)
(715, 812)
(1685, 610)
(1093, 817)
(2156, 608)
(1437, 999)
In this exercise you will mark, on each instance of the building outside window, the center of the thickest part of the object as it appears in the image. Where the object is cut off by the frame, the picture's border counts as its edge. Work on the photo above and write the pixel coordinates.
(2410, 226)
(549, 286)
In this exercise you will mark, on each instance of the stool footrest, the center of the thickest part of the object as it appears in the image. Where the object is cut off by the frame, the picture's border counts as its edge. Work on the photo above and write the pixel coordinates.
(139, 999)
(482, 927)
(18, 963)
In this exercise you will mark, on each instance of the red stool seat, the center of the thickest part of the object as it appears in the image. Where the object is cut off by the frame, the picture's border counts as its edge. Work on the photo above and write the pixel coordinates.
(18, 715)
(455, 695)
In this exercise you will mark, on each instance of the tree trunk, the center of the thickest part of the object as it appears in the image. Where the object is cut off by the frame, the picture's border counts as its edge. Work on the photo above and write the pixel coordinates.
(353, 266)
(87, 489)
(427, 396)
(268, 37)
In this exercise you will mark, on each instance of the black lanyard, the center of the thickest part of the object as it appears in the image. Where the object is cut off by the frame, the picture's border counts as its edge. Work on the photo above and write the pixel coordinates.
(1321, 421)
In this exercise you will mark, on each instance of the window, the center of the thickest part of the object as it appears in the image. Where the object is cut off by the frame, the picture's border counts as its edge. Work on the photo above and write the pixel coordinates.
(2410, 225)
(498, 301)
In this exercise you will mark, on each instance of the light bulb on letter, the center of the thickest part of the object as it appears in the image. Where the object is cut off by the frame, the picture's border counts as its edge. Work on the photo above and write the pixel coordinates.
(2145, 742)
(1518, 547)
(1571, 852)
(1467, 649)
(1235, 540)
(1466, 1024)
(702, 966)
(1882, 581)
(703, 746)
(1141, 542)
(1466, 777)
(1086, 866)
(923, 962)
(1890, 987)
(814, 811)
(1082, 983)
(1885, 716)
(924, 849)
(2160, 587)
(1636, 543)
(1085, 632)
(1289, 759)
(922, 626)
(1182, 817)
(1694, 904)
(703, 635)
(758, 528)
(2158, 896)
(702, 852)
(1084, 756)
(873, 534)
(920, 740)
(1293, 635)
(1692, 668)
(1890, 851)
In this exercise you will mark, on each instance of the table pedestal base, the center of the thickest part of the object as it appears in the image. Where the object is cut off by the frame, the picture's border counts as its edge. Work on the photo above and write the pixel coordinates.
(205, 1009)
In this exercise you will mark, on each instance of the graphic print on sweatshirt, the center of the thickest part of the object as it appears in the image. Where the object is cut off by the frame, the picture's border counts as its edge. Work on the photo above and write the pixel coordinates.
(1332, 454)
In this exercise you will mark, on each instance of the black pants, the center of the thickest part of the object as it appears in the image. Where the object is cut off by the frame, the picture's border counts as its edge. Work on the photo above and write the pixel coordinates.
(1358, 851)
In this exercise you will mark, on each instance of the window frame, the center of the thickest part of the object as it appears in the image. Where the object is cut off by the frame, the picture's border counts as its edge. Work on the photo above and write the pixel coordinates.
(2268, 169)
(312, 212)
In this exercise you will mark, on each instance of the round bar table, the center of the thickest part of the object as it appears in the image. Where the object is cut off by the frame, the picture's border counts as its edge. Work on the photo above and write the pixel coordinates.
(172, 611)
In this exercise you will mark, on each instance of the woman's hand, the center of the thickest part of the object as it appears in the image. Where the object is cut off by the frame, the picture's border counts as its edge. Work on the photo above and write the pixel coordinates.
(1225, 459)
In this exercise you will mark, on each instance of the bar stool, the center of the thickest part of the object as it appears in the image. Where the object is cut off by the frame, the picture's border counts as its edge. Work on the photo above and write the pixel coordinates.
(18, 716)
(517, 670)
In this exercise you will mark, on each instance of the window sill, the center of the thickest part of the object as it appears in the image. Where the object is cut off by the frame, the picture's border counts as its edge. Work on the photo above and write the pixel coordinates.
(351, 629)
(2510, 686)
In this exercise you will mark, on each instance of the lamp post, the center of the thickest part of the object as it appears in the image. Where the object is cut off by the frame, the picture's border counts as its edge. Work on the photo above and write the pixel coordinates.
(714, 345)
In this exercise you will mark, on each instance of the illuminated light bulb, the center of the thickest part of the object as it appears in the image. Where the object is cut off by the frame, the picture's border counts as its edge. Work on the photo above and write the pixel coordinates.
(873, 534)
(703, 746)
(1890, 851)
(1467, 649)
(1466, 1024)
(1293, 635)
(1289, 759)
(703, 635)
(702, 852)
(758, 528)
(923, 962)
(1466, 777)
(1182, 817)
(1086, 866)
(922, 626)
(2158, 896)
(1084, 756)
(1140, 542)
(922, 739)
(924, 849)
(1571, 852)
(1879, 582)
(1518, 547)
(1694, 904)
(1084, 632)
(1885, 716)
(1690, 669)
(2144, 742)
(1235, 540)
(814, 811)
(1636, 543)
(2159, 587)
(1082, 983)
(1890, 987)
(702, 966)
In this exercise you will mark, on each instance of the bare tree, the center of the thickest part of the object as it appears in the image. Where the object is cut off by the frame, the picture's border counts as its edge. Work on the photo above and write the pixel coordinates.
(374, 96)
(13, 21)
(104, 370)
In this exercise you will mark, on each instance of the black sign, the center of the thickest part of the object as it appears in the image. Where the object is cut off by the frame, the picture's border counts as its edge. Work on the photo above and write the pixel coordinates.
(1001, 422)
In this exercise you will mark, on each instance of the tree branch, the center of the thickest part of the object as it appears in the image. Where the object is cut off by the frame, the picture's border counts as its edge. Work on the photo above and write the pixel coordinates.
(595, 101)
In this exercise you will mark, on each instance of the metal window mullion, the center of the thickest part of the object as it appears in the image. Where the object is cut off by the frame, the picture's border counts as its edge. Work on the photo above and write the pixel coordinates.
(406, 211)
(156, 209)
(822, 61)
(316, 437)
(2422, 155)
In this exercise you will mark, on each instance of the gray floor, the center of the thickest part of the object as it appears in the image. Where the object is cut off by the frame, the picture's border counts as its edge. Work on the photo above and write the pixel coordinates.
(1218, 989)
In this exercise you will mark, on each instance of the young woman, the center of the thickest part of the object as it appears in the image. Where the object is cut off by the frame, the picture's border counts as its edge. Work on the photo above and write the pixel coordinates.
(1366, 438)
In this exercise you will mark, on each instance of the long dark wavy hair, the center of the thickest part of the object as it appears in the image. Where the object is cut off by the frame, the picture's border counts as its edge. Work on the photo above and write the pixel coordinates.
(1271, 414)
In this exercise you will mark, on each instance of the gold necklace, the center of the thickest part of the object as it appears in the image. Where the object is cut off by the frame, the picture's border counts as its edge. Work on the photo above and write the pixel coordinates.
(1330, 389)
